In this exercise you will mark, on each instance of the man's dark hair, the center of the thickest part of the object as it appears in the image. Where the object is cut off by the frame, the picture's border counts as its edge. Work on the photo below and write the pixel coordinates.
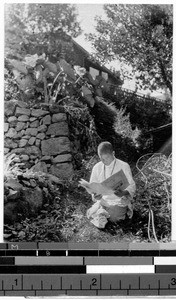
(105, 148)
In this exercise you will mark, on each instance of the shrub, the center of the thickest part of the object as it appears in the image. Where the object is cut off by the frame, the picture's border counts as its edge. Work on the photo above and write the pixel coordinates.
(145, 112)
(11, 168)
(123, 127)
(153, 194)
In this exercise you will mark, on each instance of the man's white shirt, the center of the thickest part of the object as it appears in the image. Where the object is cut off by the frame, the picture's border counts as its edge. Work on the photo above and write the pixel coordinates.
(100, 172)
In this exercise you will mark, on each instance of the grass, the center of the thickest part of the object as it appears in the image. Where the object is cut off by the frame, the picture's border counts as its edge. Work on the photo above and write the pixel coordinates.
(65, 219)
(10, 168)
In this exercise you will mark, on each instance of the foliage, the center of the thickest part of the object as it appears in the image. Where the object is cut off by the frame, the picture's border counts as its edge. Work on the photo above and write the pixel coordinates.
(37, 36)
(45, 76)
(105, 117)
(65, 220)
(51, 17)
(154, 190)
(37, 77)
(139, 36)
(40, 80)
(42, 26)
(10, 86)
(83, 134)
(144, 112)
(123, 126)
(11, 167)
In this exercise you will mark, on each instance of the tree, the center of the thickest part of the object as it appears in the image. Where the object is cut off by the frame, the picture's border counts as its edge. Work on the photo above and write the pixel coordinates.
(29, 25)
(37, 34)
(140, 36)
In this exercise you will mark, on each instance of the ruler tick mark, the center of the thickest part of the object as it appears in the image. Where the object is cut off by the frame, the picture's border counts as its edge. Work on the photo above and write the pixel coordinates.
(22, 282)
(159, 284)
(158, 287)
(51, 286)
(120, 284)
(61, 282)
(2, 285)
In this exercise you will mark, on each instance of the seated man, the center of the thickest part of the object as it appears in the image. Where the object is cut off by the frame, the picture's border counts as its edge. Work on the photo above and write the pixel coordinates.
(110, 207)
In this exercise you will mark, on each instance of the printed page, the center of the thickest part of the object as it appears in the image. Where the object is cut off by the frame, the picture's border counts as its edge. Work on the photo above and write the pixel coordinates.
(117, 180)
(95, 188)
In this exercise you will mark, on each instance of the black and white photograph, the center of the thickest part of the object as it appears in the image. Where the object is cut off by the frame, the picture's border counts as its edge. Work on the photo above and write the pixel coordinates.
(87, 122)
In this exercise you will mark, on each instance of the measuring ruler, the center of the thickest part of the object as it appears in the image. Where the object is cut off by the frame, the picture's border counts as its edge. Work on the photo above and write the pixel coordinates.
(56, 269)
(87, 284)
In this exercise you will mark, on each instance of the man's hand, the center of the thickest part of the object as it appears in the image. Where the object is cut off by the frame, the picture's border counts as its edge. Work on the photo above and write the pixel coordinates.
(118, 192)
(97, 196)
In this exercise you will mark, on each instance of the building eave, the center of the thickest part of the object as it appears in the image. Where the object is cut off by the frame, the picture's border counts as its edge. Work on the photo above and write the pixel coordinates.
(95, 63)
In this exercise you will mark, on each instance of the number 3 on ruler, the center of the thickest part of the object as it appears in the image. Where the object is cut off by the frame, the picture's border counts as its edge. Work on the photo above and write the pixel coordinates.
(173, 281)
(16, 281)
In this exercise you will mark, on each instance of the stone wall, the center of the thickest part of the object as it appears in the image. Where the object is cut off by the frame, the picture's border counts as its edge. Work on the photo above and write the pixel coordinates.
(39, 137)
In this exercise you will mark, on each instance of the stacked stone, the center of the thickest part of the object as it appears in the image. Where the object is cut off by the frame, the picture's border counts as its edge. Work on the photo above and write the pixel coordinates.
(26, 195)
(38, 137)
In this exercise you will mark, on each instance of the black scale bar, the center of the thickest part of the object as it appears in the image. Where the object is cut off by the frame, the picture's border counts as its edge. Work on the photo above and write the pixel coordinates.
(145, 253)
(33, 253)
(51, 253)
(113, 253)
(7, 260)
(167, 252)
(83, 252)
(3, 246)
(165, 269)
(43, 269)
(68, 253)
(20, 253)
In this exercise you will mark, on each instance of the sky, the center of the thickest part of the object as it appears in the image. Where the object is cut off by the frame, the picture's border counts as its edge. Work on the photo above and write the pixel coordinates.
(86, 17)
(87, 13)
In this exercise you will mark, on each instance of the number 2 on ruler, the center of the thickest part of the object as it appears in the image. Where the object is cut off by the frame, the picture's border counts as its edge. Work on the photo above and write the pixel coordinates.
(94, 281)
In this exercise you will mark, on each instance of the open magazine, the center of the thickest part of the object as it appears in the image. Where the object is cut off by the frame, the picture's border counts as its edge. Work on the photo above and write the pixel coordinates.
(106, 187)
